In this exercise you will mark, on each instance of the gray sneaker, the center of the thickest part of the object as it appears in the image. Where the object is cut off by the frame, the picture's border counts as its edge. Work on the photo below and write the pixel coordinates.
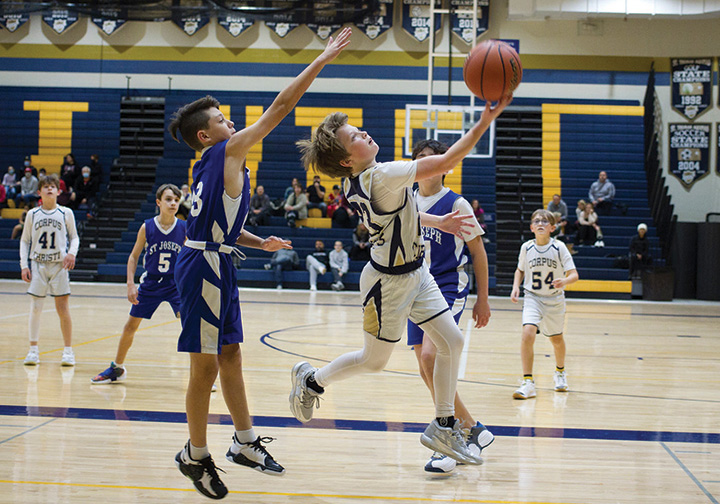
(303, 400)
(479, 438)
(449, 441)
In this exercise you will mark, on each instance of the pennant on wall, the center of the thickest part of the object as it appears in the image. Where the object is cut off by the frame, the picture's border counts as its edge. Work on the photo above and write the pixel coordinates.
(691, 85)
(191, 23)
(283, 23)
(689, 151)
(325, 19)
(12, 22)
(416, 18)
(60, 19)
(378, 23)
(235, 24)
(109, 20)
(462, 22)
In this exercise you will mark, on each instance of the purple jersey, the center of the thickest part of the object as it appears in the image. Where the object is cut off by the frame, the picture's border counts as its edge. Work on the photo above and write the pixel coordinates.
(162, 247)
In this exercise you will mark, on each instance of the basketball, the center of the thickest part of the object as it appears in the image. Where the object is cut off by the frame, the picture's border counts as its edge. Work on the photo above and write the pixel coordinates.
(492, 69)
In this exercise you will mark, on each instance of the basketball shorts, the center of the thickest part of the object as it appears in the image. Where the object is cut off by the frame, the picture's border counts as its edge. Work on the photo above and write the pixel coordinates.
(209, 301)
(152, 292)
(456, 304)
(49, 278)
(390, 300)
(547, 313)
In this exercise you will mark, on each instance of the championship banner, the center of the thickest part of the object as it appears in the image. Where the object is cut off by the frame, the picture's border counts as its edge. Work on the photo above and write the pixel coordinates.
(235, 24)
(60, 19)
(325, 19)
(12, 22)
(462, 23)
(689, 151)
(109, 20)
(416, 18)
(691, 86)
(283, 23)
(190, 23)
(375, 25)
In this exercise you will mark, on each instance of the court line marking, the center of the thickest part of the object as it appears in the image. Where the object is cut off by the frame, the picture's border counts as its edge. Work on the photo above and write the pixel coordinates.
(275, 494)
(466, 348)
(28, 430)
(689, 473)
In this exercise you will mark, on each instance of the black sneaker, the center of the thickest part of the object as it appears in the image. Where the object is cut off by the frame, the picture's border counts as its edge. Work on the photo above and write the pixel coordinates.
(202, 473)
(255, 456)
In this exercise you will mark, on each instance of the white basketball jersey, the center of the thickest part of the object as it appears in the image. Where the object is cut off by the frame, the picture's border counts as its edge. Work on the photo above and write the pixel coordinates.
(45, 235)
(542, 264)
(383, 197)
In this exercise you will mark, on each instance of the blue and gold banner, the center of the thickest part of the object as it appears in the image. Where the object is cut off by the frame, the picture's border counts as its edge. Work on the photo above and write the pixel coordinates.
(375, 25)
(191, 23)
(283, 23)
(416, 18)
(691, 86)
(235, 24)
(689, 151)
(325, 19)
(462, 23)
(60, 19)
(12, 22)
(109, 20)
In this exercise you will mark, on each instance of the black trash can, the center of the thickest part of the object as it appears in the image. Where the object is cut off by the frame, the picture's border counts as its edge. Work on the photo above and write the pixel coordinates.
(658, 284)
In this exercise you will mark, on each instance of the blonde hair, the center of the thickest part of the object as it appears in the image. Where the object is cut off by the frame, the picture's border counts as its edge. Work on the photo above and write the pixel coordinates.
(546, 214)
(324, 152)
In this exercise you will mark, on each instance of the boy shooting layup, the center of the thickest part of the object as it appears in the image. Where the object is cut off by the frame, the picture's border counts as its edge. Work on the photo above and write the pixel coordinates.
(206, 278)
(396, 284)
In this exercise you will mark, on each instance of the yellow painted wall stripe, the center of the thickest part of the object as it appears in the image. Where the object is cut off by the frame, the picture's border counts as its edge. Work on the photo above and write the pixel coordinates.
(621, 286)
(616, 110)
(54, 131)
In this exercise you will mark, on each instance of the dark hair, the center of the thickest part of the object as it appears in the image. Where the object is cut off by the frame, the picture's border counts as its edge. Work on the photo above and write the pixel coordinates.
(72, 156)
(190, 119)
(434, 145)
(324, 152)
(51, 179)
(165, 187)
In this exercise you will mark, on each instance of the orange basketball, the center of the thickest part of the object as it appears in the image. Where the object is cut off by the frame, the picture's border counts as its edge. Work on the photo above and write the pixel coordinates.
(492, 69)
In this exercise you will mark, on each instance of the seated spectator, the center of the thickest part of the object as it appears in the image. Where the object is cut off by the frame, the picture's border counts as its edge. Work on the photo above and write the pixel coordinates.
(296, 206)
(185, 202)
(28, 164)
(361, 244)
(28, 195)
(290, 189)
(65, 197)
(334, 200)
(283, 259)
(558, 206)
(339, 265)
(85, 190)
(259, 208)
(10, 183)
(587, 221)
(640, 258)
(316, 263)
(344, 216)
(95, 167)
(602, 193)
(3, 197)
(316, 196)
(69, 171)
(18, 229)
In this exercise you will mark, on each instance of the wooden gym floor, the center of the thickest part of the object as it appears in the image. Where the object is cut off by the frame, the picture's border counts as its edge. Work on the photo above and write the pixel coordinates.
(641, 422)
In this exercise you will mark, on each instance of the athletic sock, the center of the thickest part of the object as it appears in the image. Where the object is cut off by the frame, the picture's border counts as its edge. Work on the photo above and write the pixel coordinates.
(198, 453)
(528, 377)
(116, 365)
(245, 436)
(446, 421)
(312, 384)
(559, 369)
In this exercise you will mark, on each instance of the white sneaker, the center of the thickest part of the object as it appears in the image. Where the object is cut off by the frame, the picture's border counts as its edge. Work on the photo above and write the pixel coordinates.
(526, 390)
(278, 287)
(303, 400)
(323, 271)
(33, 357)
(255, 456)
(313, 287)
(561, 384)
(479, 438)
(440, 463)
(449, 441)
(68, 358)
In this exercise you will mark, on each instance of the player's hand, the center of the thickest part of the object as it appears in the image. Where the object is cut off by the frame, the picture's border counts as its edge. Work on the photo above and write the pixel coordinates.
(491, 113)
(273, 243)
(26, 275)
(132, 294)
(69, 262)
(456, 224)
(559, 282)
(481, 313)
(515, 294)
(335, 47)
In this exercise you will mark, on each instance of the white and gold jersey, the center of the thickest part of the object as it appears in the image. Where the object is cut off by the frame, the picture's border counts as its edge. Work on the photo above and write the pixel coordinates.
(383, 197)
(45, 235)
(542, 264)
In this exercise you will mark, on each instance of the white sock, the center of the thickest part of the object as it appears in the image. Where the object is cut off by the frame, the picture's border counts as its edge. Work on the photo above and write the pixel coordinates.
(36, 306)
(115, 364)
(198, 453)
(245, 436)
(67, 349)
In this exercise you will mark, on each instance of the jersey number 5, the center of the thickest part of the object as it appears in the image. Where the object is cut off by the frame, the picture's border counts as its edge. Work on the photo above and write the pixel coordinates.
(196, 201)
(537, 281)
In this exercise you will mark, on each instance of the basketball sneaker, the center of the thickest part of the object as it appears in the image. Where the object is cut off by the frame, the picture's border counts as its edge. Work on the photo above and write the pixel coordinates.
(33, 357)
(303, 400)
(440, 463)
(526, 390)
(113, 374)
(255, 456)
(448, 441)
(560, 379)
(68, 358)
(479, 438)
(202, 473)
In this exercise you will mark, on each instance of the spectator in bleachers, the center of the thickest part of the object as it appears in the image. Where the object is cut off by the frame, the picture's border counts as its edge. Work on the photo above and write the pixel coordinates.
(85, 190)
(557, 205)
(316, 196)
(291, 188)
(588, 230)
(640, 257)
(69, 171)
(283, 259)
(479, 214)
(296, 206)
(28, 190)
(317, 263)
(28, 164)
(334, 200)
(11, 183)
(65, 196)
(42, 173)
(259, 207)
(344, 216)
(185, 202)
(95, 167)
(18, 229)
(339, 265)
(3, 197)
(602, 193)
(361, 244)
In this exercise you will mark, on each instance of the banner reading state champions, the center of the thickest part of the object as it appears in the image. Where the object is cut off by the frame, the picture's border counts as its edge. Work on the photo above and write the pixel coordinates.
(689, 151)
(691, 86)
